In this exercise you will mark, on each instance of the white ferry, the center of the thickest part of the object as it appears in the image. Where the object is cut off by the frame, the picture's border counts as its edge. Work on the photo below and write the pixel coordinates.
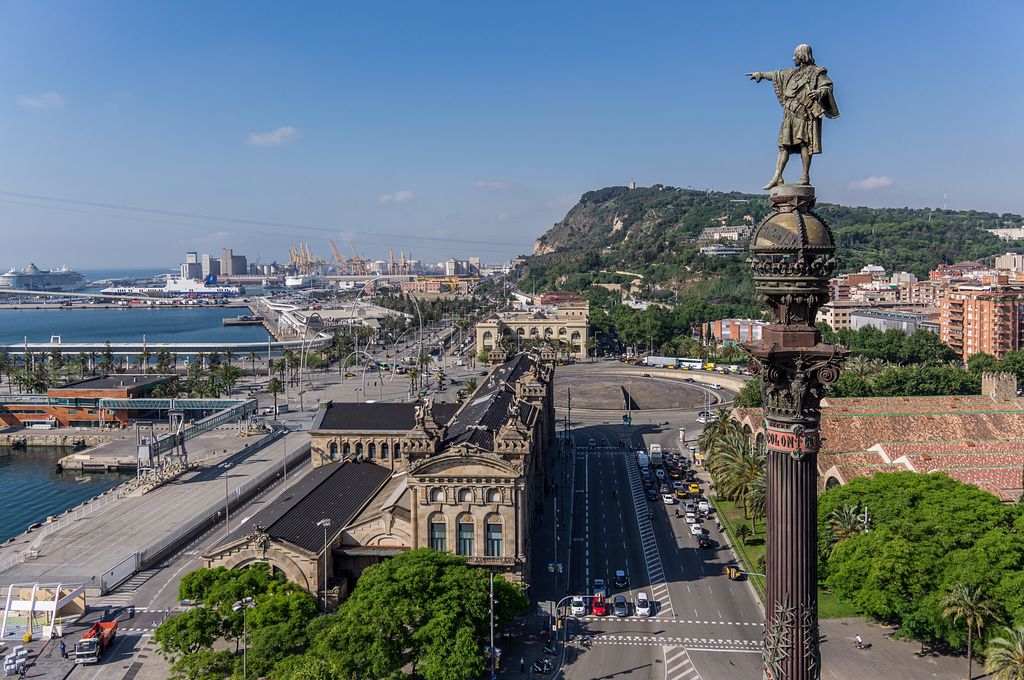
(176, 286)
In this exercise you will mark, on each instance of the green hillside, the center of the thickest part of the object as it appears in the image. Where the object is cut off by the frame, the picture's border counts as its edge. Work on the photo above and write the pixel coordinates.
(652, 231)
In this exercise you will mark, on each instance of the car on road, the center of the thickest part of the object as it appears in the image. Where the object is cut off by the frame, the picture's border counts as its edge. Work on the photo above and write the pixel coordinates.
(652, 495)
(664, 489)
(674, 473)
(619, 606)
(600, 588)
(620, 579)
(677, 484)
(599, 606)
(647, 375)
(680, 493)
(704, 542)
(668, 498)
(643, 605)
(691, 518)
(696, 529)
(689, 507)
(716, 386)
(704, 507)
(694, 488)
(578, 606)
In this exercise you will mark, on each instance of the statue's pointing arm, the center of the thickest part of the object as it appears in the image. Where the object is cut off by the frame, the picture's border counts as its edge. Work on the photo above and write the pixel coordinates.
(762, 75)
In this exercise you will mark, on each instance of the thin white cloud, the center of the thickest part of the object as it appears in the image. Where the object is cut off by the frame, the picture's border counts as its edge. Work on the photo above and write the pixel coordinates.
(490, 184)
(871, 183)
(398, 197)
(274, 137)
(44, 100)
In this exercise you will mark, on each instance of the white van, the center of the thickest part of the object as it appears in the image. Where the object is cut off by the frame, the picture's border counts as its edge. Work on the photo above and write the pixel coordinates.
(643, 605)
(579, 606)
(704, 507)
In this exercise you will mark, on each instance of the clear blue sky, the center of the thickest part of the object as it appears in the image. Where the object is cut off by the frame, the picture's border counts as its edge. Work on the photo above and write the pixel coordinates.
(468, 127)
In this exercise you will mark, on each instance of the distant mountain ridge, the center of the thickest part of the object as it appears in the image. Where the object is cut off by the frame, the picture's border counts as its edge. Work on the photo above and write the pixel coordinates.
(653, 230)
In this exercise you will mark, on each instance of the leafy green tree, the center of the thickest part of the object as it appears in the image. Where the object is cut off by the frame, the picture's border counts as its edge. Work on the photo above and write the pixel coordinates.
(203, 664)
(972, 607)
(982, 362)
(1004, 656)
(749, 395)
(422, 607)
(189, 632)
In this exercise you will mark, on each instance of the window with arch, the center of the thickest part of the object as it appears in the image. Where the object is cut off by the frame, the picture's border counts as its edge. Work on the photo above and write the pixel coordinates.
(437, 495)
(346, 449)
(398, 450)
(493, 537)
(547, 332)
(465, 495)
(533, 331)
(359, 448)
(494, 496)
(384, 451)
(371, 450)
(520, 332)
(438, 533)
(333, 450)
(561, 331)
(465, 545)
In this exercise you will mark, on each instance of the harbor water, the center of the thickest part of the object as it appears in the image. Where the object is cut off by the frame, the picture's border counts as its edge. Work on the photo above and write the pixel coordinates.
(33, 490)
(130, 324)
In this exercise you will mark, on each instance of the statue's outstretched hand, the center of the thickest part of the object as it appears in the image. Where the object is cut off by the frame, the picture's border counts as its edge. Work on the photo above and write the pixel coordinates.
(756, 75)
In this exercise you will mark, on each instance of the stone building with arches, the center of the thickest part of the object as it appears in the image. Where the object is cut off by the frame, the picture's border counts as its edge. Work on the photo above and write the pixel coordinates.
(390, 477)
(564, 326)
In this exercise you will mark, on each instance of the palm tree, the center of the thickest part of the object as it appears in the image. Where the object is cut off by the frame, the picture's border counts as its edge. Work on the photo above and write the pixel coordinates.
(742, 532)
(844, 522)
(252, 357)
(757, 496)
(91, 356)
(274, 388)
(974, 608)
(144, 357)
(1004, 656)
(229, 354)
(736, 467)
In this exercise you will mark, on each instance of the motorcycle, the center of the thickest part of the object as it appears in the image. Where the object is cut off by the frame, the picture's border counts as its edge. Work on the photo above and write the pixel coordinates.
(585, 641)
(542, 666)
(551, 649)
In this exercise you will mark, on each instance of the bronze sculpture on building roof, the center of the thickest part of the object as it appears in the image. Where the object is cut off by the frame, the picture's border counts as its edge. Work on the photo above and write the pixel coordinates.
(805, 93)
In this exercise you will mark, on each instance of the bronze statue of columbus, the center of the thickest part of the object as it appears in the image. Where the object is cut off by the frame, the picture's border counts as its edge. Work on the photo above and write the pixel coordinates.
(805, 93)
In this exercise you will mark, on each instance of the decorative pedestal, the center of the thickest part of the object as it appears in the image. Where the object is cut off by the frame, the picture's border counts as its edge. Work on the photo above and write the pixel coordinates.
(791, 258)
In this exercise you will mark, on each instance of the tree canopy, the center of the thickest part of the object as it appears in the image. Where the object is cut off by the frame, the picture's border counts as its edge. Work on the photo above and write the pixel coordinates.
(926, 534)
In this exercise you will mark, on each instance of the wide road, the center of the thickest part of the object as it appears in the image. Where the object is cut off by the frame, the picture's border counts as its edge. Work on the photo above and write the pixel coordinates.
(705, 625)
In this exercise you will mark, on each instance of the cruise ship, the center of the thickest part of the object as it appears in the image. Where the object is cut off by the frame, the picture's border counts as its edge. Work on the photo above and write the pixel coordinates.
(175, 286)
(61, 280)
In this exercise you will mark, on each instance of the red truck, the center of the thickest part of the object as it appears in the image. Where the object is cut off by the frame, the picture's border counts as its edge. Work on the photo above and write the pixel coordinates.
(95, 641)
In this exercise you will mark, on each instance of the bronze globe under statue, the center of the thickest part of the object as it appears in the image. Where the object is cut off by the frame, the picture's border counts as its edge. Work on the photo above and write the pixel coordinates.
(805, 93)
(792, 257)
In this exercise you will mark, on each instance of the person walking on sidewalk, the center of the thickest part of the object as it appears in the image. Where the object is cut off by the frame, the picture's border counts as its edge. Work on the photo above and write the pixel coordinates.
(522, 664)
(63, 650)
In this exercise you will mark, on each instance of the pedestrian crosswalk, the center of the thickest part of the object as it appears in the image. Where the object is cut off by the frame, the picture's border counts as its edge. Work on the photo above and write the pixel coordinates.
(124, 594)
(678, 665)
(703, 643)
(662, 620)
(655, 570)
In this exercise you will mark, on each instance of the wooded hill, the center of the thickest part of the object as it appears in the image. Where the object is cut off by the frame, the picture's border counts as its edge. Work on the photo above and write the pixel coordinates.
(652, 231)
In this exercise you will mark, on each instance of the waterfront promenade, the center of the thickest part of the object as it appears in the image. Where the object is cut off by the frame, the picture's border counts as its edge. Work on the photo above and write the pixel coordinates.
(91, 542)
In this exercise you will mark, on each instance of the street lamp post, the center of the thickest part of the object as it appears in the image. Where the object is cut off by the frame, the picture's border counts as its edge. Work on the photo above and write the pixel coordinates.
(284, 458)
(245, 604)
(325, 523)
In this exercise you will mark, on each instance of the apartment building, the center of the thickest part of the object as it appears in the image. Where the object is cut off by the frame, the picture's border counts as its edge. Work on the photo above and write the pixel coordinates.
(983, 317)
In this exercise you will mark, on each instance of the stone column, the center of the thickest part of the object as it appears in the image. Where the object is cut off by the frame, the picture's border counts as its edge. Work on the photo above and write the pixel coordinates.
(791, 256)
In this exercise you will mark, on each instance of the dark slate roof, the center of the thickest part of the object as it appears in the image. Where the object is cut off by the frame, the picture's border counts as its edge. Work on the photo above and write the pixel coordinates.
(387, 417)
(487, 409)
(338, 491)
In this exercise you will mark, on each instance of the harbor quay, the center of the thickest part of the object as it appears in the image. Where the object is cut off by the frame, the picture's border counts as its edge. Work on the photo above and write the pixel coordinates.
(105, 541)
